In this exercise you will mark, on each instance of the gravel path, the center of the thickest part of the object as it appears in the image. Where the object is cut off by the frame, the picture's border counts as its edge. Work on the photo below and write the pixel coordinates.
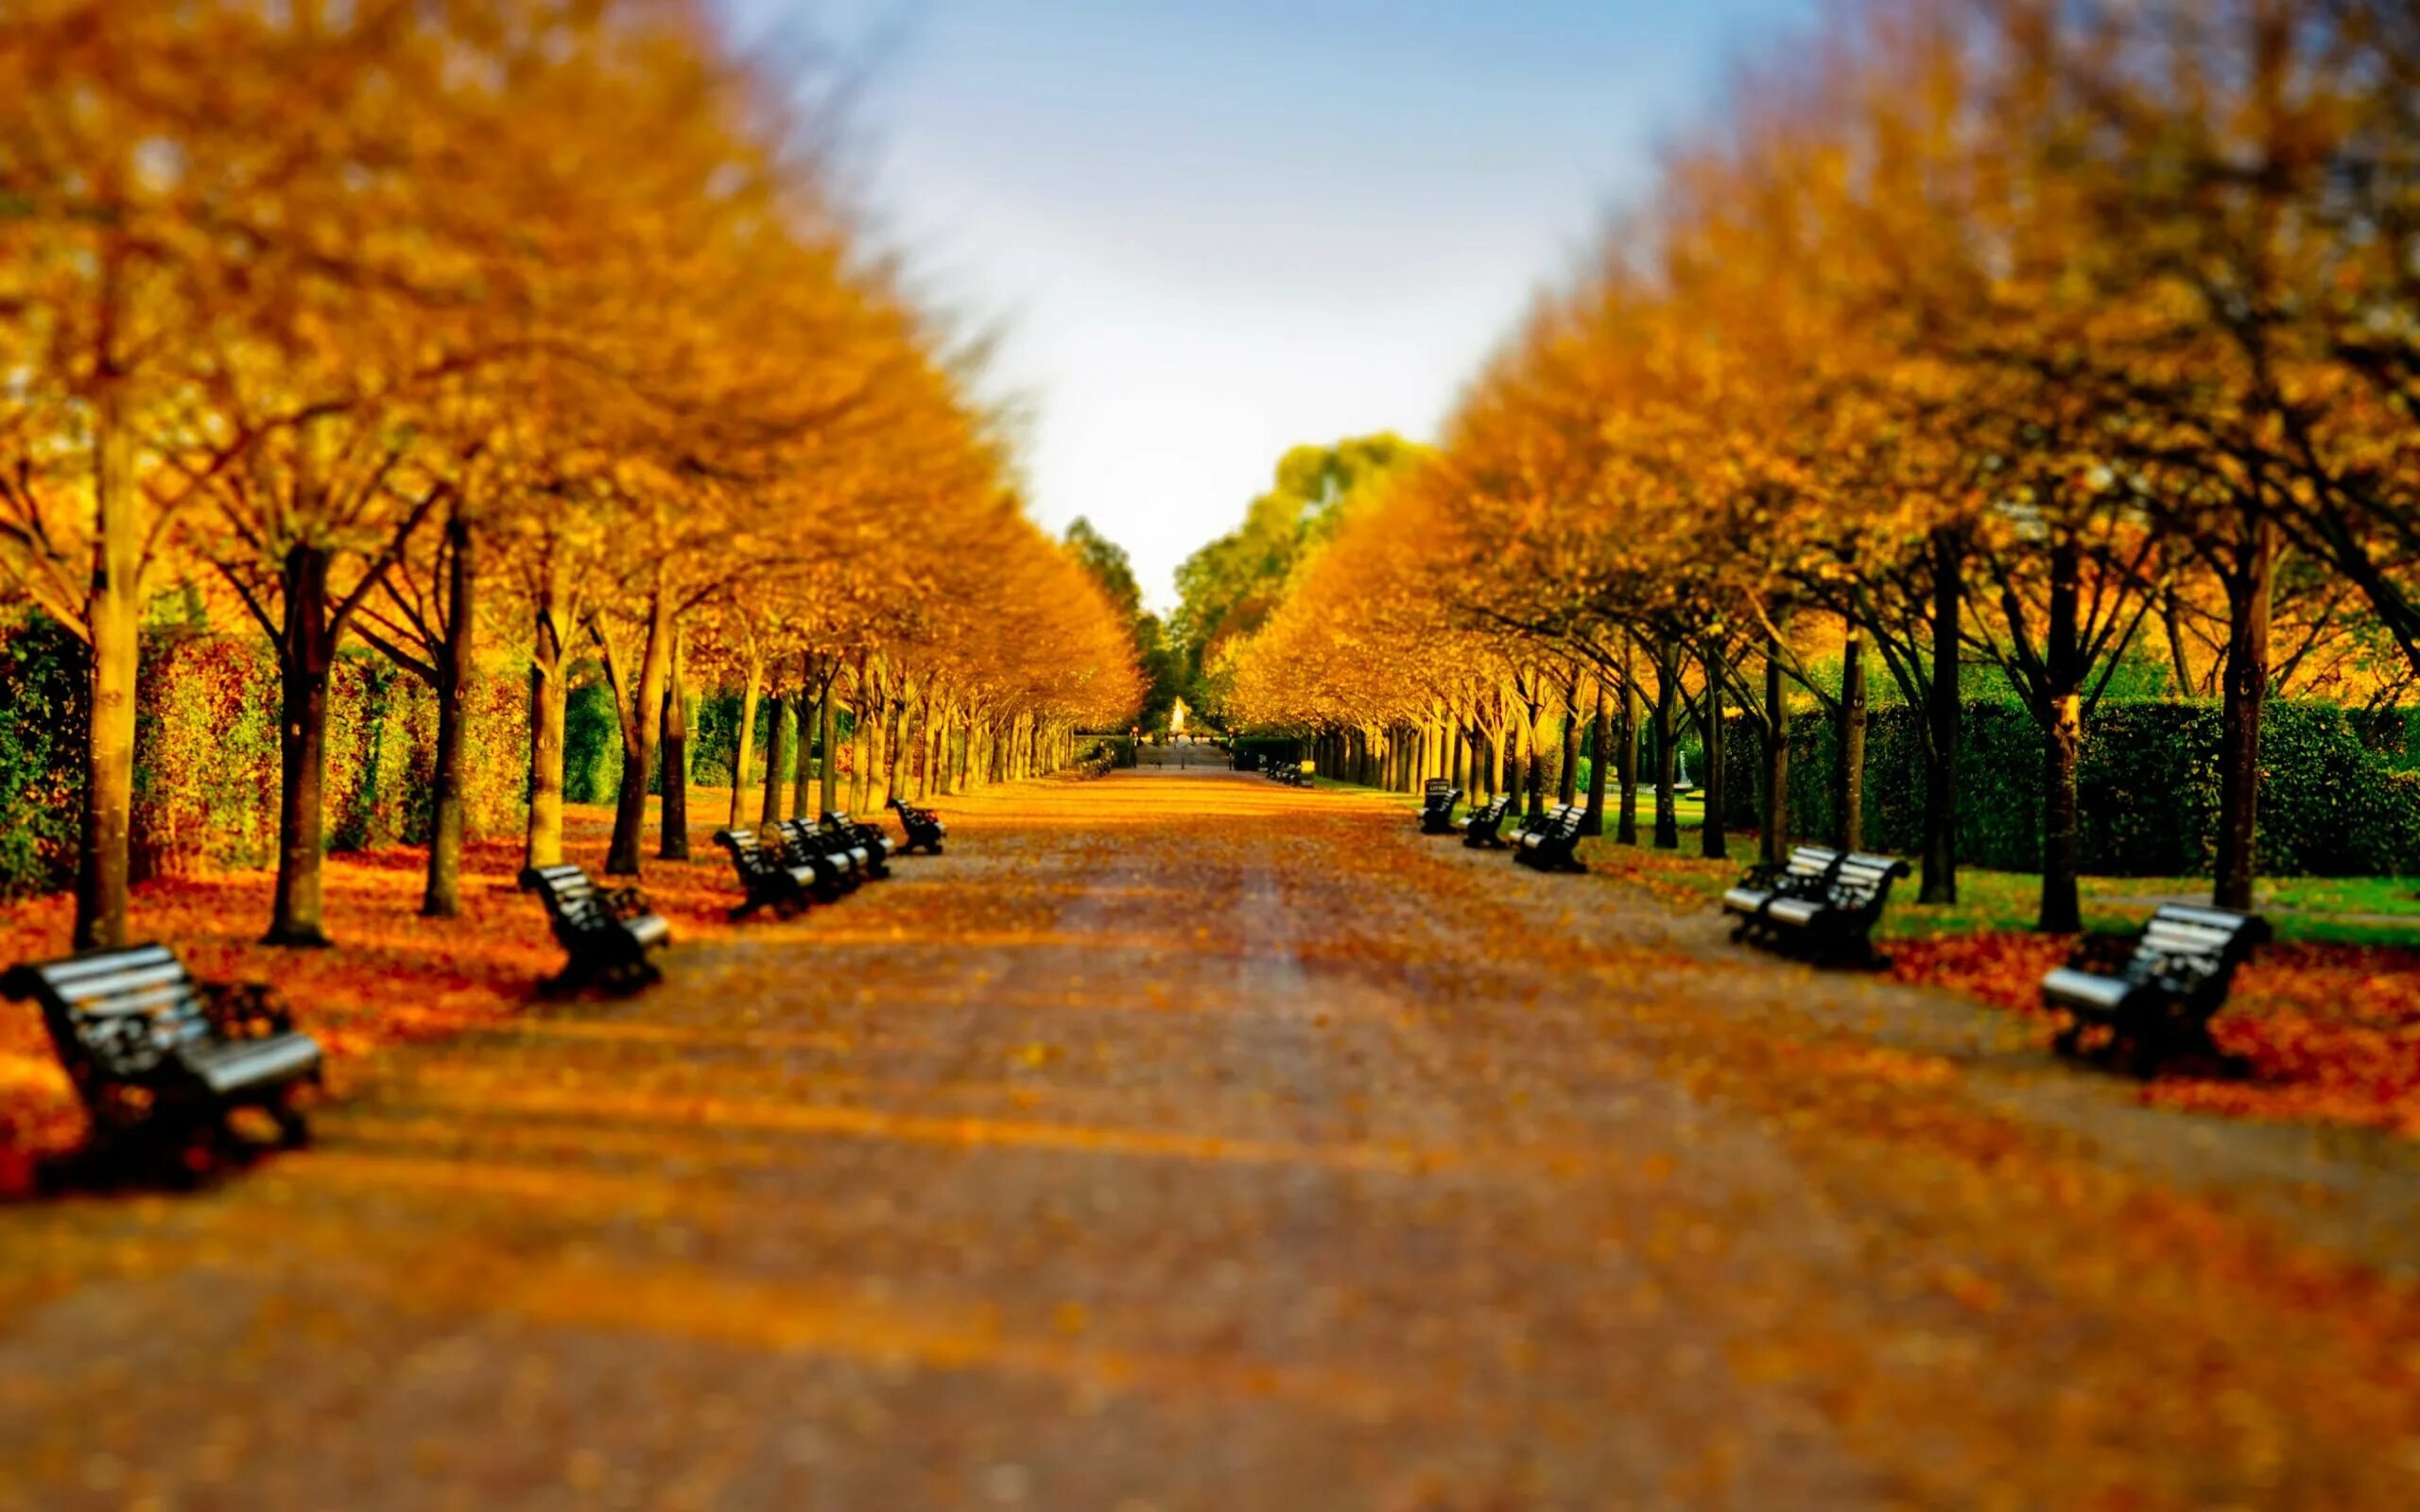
(1182, 1142)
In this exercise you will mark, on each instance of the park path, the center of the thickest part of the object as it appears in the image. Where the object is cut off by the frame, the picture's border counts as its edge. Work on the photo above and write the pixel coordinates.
(1181, 1142)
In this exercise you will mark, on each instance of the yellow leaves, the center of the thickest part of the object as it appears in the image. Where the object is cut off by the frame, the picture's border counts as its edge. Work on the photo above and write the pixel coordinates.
(1034, 1056)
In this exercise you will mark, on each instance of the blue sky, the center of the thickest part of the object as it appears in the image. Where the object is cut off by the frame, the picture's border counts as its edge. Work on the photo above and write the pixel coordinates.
(1205, 231)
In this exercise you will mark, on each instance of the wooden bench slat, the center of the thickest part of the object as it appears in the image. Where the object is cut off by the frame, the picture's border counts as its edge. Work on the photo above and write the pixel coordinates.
(1824, 900)
(2157, 1003)
(78, 969)
(607, 936)
(143, 1002)
(136, 1020)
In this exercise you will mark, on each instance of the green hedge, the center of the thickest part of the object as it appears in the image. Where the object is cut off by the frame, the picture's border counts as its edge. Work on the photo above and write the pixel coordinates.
(592, 746)
(205, 754)
(2333, 802)
(1255, 752)
(42, 672)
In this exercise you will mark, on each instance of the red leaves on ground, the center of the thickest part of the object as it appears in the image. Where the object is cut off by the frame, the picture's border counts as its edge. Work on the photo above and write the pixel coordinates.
(393, 975)
(2331, 1032)
(2002, 967)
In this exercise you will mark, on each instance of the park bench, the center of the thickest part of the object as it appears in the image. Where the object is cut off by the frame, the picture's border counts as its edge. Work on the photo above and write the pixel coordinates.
(869, 838)
(1480, 825)
(1278, 772)
(923, 827)
(608, 936)
(1529, 823)
(1550, 845)
(1437, 800)
(838, 862)
(2152, 994)
(769, 877)
(152, 1051)
(1820, 902)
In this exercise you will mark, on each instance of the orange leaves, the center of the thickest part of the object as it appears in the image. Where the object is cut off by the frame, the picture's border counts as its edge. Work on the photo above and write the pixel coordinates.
(2331, 1032)
(392, 976)
(2004, 967)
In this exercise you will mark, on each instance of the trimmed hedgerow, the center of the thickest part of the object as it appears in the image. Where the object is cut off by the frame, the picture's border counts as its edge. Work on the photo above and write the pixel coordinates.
(42, 671)
(206, 761)
(2148, 788)
(1255, 752)
(592, 746)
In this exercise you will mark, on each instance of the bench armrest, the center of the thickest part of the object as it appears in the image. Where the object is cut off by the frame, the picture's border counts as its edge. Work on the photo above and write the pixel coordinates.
(245, 1010)
(1762, 877)
(626, 902)
(2102, 955)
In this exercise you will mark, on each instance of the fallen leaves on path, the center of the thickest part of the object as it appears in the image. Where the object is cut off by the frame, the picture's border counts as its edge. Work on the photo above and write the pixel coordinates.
(392, 976)
(1184, 1133)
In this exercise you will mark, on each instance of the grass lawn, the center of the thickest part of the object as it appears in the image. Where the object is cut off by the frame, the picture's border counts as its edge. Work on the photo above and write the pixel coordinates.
(2324, 1019)
(2387, 909)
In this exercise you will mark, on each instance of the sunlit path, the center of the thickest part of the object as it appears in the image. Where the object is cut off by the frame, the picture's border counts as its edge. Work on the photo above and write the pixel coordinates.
(1189, 1143)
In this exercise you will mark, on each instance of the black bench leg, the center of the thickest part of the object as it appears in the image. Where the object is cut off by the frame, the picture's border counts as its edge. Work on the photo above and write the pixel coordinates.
(293, 1129)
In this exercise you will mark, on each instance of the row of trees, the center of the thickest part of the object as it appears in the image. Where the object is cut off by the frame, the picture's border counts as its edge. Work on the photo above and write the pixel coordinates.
(386, 320)
(2026, 332)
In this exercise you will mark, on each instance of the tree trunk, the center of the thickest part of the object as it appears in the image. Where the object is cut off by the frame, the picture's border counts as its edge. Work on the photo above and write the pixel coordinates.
(1667, 816)
(306, 652)
(113, 617)
(777, 759)
(2061, 716)
(827, 723)
(928, 753)
(638, 709)
(1567, 781)
(455, 666)
(1774, 842)
(548, 691)
(1533, 758)
(1713, 843)
(2061, 747)
(1940, 745)
(744, 752)
(1599, 734)
(877, 752)
(1626, 823)
(2171, 619)
(1851, 782)
(867, 709)
(673, 845)
(801, 768)
(2245, 690)
(894, 739)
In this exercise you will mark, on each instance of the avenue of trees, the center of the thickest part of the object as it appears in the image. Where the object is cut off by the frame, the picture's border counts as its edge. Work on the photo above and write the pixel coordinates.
(499, 335)
(2045, 338)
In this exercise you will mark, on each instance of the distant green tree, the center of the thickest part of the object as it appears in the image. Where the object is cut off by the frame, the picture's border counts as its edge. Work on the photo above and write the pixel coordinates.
(1228, 588)
(1106, 564)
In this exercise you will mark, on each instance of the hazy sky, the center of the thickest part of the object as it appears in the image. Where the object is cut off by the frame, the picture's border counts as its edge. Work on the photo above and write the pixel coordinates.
(1208, 230)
